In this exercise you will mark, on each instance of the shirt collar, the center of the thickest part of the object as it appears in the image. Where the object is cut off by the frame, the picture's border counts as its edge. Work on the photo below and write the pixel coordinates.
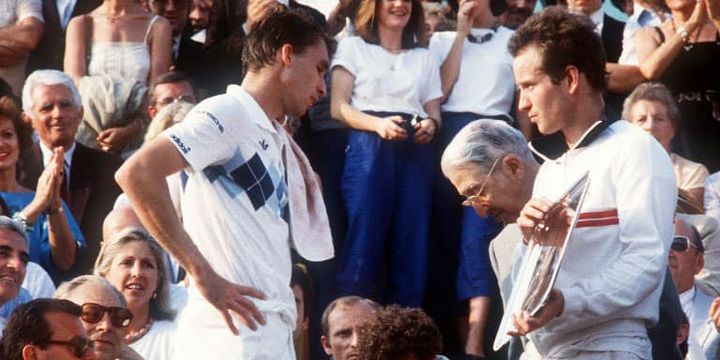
(551, 147)
(598, 18)
(255, 112)
(47, 154)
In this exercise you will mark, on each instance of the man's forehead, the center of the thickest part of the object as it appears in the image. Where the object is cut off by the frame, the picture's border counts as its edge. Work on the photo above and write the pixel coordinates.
(528, 59)
(51, 92)
(13, 240)
(345, 314)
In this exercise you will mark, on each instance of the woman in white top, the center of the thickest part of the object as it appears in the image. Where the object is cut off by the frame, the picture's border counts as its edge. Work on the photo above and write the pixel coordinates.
(386, 87)
(122, 40)
(477, 83)
(135, 265)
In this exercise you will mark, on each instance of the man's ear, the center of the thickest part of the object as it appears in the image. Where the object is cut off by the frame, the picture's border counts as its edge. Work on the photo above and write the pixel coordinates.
(572, 78)
(513, 165)
(326, 344)
(26, 118)
(699, 263)
(286, 54)
(29, 352)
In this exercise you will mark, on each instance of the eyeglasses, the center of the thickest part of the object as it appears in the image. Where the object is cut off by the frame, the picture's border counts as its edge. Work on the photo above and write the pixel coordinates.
(93, 313)
(682, 244)
(79, 345)
(474, 200)
(169, 100)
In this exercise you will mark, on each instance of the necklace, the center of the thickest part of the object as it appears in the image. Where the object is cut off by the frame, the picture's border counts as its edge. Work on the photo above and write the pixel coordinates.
(688, 46)
(135, 336)
(485, 38)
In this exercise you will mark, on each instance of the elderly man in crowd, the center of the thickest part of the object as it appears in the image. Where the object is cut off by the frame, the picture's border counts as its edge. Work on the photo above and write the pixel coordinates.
(685, 261)
(46, 329)
(341, 324)
(105, 316)
(561, 86)
(52, 104)
(14, 258)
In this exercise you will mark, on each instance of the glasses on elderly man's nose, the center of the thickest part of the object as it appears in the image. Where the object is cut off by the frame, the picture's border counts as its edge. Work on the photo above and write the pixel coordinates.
(169, 100)
(681, 244)
(79, 345)
(93, 313)
(476, 200)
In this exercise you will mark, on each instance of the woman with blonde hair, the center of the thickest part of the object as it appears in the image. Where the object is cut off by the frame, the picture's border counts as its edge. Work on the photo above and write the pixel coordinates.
(136, 266)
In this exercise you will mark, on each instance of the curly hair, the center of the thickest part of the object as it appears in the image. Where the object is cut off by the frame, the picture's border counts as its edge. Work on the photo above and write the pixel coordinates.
(563, 39)
(396, 332)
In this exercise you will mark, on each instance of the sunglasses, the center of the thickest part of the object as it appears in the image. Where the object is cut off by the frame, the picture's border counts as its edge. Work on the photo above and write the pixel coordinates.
(119, 317)
(79, 345)
(681, 244)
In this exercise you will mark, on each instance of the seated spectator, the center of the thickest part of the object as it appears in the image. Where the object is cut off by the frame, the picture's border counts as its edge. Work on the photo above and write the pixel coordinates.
(105, 316)
(54, 238)
(684, 53)
(169, 88)
(396, 333)
(13, 262)
(685, 261)
(303, 291)
(119, 49)
(46, 329)
(21, 27)
(52, 104)
(518, 11)
(652, 107)
(135, 265)
(341, 323)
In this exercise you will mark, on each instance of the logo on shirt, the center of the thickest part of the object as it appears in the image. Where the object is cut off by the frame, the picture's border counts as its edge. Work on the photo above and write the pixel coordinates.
(263, 144)
(180, 144)
(214, 120)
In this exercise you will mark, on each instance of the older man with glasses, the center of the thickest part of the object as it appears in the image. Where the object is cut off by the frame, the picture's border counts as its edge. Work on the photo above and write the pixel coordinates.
(685, 261)
(104, 315)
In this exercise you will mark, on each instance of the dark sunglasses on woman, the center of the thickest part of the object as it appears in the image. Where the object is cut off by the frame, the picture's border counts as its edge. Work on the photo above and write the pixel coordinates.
(79, 345)
(93, 313)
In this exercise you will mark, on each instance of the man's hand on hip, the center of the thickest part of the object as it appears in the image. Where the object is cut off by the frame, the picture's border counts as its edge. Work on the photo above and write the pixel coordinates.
(226, 297)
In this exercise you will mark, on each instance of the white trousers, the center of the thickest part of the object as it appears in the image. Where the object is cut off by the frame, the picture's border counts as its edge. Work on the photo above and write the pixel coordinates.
(203, 335)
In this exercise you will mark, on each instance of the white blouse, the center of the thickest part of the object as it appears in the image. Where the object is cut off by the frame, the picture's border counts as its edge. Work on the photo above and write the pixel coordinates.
(158, 343)
(385, 81)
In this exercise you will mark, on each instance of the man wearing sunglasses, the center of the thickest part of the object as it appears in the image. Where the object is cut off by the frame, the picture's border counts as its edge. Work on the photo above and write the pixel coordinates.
(686, 259)
(46, 329)
(104, 315)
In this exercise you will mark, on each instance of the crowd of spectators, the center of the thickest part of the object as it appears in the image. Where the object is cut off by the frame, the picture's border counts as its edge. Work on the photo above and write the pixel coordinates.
(422, 255)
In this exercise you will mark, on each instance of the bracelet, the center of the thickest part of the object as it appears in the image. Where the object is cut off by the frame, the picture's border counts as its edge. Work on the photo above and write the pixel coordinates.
(683, 34)
(21, 219)
(434, 120)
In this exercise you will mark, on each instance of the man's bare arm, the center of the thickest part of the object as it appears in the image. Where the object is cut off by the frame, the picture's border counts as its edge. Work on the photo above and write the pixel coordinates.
(142, 178)
(18, 40)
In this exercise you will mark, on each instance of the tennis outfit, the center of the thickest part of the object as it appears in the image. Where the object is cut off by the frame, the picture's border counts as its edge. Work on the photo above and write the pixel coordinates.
(386, 185)
(235, 208)
(612, 274)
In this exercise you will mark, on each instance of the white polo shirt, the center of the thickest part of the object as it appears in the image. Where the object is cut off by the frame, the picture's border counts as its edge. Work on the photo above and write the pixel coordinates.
(235, 201)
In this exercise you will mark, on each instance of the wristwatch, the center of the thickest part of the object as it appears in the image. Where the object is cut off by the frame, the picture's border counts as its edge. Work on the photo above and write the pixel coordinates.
(21, 219)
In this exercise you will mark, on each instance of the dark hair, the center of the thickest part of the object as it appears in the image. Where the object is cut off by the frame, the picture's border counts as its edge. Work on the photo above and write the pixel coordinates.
(170, 77)
(10, 109)
(282, 26)
(28, 326)
(396, 333)
(301, 278)
(563, 39)
(414, 34)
